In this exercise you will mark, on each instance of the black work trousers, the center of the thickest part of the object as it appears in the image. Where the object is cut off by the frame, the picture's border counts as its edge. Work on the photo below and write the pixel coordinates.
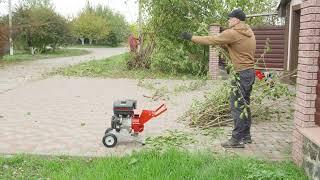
(242, 124)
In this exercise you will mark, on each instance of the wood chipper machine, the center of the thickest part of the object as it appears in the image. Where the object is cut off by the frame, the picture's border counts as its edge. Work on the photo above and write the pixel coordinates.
(126, 120)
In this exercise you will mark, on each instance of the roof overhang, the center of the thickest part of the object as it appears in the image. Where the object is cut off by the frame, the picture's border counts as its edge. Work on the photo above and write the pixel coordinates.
(281, 8)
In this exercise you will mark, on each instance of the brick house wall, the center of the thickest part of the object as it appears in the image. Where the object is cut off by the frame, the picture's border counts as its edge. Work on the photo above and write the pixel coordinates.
(307, 81)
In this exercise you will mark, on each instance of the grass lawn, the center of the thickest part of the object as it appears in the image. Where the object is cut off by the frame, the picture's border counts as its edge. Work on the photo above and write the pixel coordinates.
(115, 67)
(172, 164)
(26, 56)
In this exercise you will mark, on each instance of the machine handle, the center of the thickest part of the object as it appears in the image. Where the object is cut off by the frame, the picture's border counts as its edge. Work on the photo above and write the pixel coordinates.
(161, 109)
(146, 115)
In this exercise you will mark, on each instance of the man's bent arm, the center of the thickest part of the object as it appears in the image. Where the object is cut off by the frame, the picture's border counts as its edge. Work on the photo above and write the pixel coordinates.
(223, 38)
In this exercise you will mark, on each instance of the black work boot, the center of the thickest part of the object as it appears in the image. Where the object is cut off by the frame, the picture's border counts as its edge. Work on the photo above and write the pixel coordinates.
(232, 143)
(247, 140)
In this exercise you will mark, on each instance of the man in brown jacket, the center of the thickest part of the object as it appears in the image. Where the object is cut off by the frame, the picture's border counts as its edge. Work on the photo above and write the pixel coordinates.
(241, 44)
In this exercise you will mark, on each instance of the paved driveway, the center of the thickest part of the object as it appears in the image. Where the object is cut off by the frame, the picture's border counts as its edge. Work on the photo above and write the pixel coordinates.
(68, 116)
(12, 76)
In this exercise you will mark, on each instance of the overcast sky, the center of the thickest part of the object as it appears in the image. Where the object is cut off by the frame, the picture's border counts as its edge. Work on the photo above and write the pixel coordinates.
(72, 7)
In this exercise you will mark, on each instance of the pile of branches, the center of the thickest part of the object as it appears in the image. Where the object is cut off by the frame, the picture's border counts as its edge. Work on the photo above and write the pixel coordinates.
(213, 111)
(268, 103)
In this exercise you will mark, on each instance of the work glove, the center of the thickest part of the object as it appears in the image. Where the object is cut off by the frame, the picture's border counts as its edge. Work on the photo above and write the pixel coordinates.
(186, 36)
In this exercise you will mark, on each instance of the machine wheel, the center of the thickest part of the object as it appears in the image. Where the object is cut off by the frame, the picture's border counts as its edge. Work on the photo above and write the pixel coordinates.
(108, 130)
(109, 140)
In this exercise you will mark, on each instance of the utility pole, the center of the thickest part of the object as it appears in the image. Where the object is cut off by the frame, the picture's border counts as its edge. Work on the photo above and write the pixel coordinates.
(140, 26)
(10, 28)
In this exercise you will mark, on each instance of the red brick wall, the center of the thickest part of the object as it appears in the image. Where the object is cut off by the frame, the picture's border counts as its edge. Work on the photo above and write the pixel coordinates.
(317, 117)
(297, 147)
(308, 68)
(214, 56)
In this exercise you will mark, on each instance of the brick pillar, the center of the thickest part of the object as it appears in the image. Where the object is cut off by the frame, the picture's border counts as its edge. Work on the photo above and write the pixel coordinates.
(305, 103)
(214, 56)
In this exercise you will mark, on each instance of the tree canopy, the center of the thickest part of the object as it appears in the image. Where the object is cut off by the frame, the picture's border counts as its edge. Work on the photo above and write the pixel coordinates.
(101, 24)
(38, 25)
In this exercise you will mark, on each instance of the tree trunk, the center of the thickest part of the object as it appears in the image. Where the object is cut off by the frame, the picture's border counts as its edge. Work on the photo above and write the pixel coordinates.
(82, 41)
(90, 41)
(54, 47)
(33, 50)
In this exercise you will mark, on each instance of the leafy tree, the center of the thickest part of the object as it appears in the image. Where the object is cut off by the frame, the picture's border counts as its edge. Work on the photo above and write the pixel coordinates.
(134, 29)
(36, 3)
(3, 35)
(39, 25)
(88, 25)
(119, 28)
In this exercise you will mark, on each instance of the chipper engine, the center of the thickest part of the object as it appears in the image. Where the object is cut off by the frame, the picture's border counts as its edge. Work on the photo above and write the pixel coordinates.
(126, 120)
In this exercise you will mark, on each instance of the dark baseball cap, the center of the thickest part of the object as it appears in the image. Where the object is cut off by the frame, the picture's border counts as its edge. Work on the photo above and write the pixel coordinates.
(238, 13)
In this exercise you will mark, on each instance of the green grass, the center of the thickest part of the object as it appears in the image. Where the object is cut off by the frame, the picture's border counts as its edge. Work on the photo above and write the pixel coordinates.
(115, 67)
(173, 138)
(26, 56)
(172, 164)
